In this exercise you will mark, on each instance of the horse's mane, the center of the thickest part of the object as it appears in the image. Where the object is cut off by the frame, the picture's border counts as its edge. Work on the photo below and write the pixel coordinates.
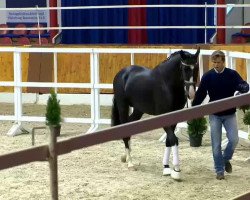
(171, 55)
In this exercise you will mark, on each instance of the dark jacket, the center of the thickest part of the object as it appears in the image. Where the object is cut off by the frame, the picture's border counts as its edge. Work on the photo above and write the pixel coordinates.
(219, 86)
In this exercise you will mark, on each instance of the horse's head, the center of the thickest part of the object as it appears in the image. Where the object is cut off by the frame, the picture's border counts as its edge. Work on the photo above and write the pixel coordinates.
(190, 69)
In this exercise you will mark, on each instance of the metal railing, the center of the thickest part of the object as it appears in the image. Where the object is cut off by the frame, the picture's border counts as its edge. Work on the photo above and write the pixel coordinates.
(60, 28)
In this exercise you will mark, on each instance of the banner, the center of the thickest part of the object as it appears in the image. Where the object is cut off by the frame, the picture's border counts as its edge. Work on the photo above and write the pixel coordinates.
(18, 16)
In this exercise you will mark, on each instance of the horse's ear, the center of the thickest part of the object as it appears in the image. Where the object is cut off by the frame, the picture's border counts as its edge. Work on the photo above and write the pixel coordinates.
(197, 52)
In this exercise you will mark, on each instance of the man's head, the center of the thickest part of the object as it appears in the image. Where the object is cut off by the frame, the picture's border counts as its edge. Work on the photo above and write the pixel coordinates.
(218, 60)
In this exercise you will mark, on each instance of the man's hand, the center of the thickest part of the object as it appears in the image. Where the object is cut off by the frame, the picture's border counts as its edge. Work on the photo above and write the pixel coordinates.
(237, 93)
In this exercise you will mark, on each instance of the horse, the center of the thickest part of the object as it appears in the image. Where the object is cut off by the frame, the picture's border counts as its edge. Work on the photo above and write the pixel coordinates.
(163, 89)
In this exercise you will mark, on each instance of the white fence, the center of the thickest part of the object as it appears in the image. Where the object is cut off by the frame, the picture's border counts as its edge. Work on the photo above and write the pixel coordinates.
(95, 120)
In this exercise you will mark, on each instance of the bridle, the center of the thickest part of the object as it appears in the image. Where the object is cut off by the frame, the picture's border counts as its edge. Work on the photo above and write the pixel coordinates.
(187, 84)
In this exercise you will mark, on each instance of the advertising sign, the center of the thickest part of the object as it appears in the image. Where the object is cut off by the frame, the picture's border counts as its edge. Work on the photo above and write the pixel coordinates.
(22, 16)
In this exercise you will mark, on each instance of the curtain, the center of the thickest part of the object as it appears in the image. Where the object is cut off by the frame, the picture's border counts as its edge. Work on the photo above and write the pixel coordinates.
(178, 17)
(94, 17)
(136, 17)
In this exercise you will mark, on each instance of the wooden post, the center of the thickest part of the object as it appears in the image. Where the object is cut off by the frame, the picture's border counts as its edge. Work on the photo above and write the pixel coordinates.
(53, 164)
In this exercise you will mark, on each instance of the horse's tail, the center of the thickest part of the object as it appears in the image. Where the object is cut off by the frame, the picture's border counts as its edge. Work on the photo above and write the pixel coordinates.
(115, 114)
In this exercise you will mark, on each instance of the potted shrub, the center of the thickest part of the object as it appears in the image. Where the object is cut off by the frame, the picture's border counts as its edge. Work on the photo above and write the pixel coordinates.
(244, 108)
(246, 117)
(246, 121)
(196, 129)
(53, 113)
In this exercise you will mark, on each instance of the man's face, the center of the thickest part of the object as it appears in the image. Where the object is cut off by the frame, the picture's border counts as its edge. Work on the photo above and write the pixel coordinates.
(218, 64)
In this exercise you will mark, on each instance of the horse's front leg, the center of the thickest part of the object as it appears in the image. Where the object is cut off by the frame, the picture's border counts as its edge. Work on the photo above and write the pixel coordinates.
(165, 161)
(171, 143)
(136, 115)
(175, 173)
(127, 157)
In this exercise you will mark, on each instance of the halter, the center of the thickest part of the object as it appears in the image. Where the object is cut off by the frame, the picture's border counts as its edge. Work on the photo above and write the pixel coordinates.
(187, 83)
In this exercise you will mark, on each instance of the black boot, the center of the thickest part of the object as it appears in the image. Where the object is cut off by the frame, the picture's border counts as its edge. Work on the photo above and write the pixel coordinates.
(228, 167)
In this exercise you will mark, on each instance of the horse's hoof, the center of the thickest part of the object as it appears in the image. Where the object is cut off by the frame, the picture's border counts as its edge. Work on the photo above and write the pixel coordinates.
(176, 175)
(166, 171)
(123, 158)
(131, 166)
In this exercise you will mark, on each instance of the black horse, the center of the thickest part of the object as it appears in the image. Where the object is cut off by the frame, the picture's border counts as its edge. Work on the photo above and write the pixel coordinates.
(160, 90)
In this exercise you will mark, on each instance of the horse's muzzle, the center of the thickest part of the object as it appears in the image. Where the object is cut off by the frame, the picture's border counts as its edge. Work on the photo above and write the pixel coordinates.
(191, 92)
(190, 89)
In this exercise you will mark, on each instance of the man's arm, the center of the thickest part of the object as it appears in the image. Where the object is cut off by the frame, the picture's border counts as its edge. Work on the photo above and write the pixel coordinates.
(201, 93)
(242, 86)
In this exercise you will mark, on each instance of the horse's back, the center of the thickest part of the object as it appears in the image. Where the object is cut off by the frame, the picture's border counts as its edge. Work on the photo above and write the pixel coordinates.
(129, 71)
(128, 74)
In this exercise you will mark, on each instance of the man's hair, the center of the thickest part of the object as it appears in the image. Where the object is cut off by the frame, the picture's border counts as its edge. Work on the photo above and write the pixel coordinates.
(218, 54)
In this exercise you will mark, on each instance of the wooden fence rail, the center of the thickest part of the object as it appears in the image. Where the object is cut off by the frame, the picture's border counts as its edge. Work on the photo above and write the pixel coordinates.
(43, 153)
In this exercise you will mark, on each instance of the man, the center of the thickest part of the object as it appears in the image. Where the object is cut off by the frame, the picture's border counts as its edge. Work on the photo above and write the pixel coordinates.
(219, 83)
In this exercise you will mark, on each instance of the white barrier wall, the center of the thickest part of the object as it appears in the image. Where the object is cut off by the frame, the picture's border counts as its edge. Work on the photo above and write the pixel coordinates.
(94, 85)
(65, 99)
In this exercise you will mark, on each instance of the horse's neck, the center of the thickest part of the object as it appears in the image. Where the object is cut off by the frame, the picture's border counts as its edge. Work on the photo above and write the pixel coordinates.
(169, 68)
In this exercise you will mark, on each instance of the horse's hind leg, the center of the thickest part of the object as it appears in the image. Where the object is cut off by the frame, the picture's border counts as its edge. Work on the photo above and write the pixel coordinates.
(136, 115)
(123, 118)
(171, 143)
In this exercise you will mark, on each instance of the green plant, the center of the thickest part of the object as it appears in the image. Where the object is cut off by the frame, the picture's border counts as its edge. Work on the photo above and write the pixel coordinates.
(244, 108)
(246, 118)
(53, 110)
(197, 127)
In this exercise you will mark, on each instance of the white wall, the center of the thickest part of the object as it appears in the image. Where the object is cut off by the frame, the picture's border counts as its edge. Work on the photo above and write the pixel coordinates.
(246, 12)
(59, 13)
(238, 16)
(2, 13)
(234, 17)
